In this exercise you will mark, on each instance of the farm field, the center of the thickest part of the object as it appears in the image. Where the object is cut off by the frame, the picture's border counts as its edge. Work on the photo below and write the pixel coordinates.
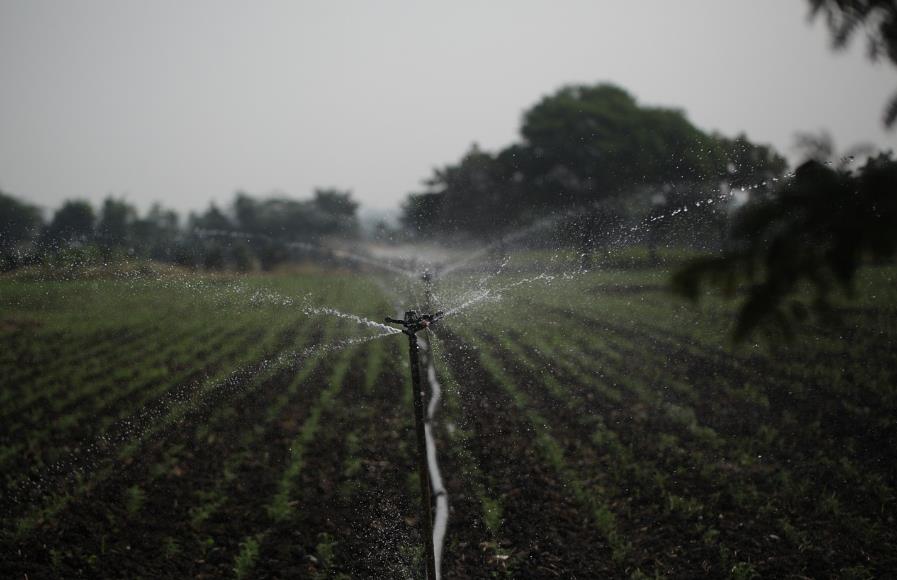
(591, 425)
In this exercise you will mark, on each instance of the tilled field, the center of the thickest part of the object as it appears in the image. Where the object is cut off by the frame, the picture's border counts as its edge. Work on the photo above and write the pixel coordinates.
(588, 429)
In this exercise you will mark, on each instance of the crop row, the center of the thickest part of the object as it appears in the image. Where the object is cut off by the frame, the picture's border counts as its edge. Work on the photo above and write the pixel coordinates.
(686, 431)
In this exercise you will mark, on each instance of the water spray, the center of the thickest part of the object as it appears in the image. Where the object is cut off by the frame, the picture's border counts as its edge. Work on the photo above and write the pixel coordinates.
(427, 277)
(411, 324)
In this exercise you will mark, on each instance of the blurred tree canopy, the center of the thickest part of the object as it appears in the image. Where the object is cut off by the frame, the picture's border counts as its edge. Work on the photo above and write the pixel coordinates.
(73, 222)
(876, 18)
(580, 146)
(791, 250)
(596, 141)
(116, 220)
(329, 212)
(19, 222)
(249, 233)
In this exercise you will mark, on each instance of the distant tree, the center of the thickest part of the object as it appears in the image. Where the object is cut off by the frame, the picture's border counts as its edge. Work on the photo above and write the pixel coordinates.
(816, 231)
(821, 147)
(114, 225)
(155, 235)
(329, 212)
(876, 18)
(212, 219)
(246, 211)
(421, 212)
(19, 222)
(335, 202)
(750, 164)
(270, 225)
(475, 196)
(73, 221)
(336, 211)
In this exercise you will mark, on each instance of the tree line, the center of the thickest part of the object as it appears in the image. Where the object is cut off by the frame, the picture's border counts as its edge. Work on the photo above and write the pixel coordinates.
(250, 233)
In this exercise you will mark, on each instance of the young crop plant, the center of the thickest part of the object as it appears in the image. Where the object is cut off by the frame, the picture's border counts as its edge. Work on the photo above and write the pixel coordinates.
(626, 467)
(374, 365)
(171, 548)
(246, 558)
(281, 507)
(325, 552)
(168, 417)
(135, 498)
(352, 465)
(552, 452)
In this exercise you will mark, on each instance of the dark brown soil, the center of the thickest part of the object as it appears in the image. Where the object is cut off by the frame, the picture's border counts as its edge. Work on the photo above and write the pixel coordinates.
(355, 505)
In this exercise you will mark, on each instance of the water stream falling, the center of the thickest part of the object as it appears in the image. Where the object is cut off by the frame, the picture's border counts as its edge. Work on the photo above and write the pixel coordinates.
(336, 252)
(496, 293)
(504, 240)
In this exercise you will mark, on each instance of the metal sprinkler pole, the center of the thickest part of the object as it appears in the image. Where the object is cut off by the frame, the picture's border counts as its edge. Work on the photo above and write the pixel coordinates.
(412, 323)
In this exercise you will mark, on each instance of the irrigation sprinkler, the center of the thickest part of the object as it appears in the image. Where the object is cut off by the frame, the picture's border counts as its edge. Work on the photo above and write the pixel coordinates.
(412, 323)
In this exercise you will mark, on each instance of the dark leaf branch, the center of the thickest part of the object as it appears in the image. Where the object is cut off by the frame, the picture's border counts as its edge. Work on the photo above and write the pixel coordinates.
(790, 252)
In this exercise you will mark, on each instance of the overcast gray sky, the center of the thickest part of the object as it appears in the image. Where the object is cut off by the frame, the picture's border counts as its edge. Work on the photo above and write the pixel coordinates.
(186, 102)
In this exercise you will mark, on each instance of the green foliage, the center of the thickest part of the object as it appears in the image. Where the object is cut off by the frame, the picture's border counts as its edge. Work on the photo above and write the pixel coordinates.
(590, 141)
(492, 515)
(592, 148)
(116, 220)
(171, 548)
(814, 232)
(135, 498)
(421, 213)
(281, 507)
(743, 571)
(325, 550)
(690, 436)
(19, 222)
(74, 221)
(252, 233)
(750, 164)
(246, 558)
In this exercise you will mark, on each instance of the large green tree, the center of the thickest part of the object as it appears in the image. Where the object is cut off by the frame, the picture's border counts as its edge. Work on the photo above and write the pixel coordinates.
(589, 142)
(585, 149)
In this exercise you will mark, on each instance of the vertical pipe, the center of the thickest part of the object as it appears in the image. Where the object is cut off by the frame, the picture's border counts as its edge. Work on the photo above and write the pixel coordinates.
(422, 470)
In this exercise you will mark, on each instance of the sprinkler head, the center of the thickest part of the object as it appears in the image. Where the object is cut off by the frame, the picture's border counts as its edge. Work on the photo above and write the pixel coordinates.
(414, 322)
